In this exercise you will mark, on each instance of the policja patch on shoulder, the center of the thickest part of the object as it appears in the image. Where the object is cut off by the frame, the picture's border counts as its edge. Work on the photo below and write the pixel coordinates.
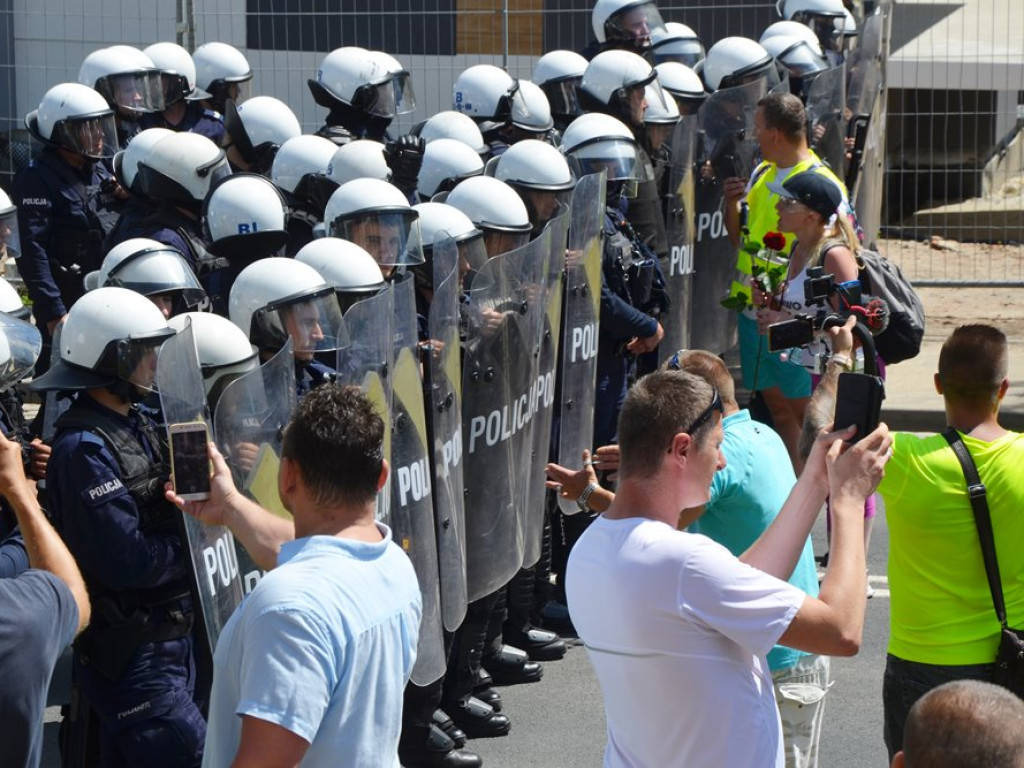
(103, 490)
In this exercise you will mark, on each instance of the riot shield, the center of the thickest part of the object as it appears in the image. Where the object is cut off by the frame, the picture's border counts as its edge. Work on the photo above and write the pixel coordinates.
(366, 363)
(826, 126)
(582, 307)
(543, 395)
(54, 406)
(680, 225)
(499, 373)
(216, 579)
(444, 414)
(412, 507)
(248, 424)
(726, 121)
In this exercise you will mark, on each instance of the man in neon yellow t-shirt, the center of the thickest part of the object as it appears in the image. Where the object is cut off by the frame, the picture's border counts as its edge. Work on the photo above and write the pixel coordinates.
(943, 625)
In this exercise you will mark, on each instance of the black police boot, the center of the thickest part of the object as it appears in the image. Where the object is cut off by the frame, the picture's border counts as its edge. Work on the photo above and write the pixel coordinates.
(477, 719)
(483, 689)
(511, 666)
(451, 730)
(438, 751)
(539, 644)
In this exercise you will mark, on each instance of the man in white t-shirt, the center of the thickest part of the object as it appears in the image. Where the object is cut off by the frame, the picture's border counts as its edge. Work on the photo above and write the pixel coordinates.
(676, 627)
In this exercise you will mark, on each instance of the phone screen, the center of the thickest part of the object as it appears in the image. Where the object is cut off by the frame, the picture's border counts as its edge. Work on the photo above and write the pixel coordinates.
(189, 462)
(790, 333)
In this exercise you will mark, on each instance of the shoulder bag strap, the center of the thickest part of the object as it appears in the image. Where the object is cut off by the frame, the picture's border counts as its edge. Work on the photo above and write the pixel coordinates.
(979, 504)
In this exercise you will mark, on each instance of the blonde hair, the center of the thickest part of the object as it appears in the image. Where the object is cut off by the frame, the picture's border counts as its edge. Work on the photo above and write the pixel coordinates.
(840, 232)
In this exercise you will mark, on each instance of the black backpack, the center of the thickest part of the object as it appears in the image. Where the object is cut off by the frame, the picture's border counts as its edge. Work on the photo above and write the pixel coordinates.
(901, 340)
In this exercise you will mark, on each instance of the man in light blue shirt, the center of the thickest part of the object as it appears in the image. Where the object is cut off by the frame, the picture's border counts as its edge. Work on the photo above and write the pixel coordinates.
(746, 496)
(311, 667)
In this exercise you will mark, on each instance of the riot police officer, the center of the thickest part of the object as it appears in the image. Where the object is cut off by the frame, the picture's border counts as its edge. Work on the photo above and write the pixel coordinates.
(255, 132)
(182, 111)
(625, 25)
(486, 94)
(129, 81)
(223, 350)
(558, 73)
(223, 72)
(300, 172)
(451, 124)
(138, 206)
(446, 162)
(495, 208)
(65, 199)
(134, 666)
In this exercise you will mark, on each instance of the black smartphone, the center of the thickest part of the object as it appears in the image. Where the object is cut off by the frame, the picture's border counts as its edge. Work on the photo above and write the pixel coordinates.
(790, 333)
(859, 399)
(190, 465)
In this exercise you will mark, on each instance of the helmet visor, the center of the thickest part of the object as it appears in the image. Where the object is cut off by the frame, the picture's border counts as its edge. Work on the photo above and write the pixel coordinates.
(802, 60)
(134, 92)
(687, 52)
(175, 87)
(499, 241)
(155, 272)
(313, 322)
(634, 24)
(824, 27)
(10, 240)
(391, 237)
(617, 157)
(19, 349)
(563, 98)
(472, 257)
(135, 359)
(94, 137)
(377, 99)
(405, 96)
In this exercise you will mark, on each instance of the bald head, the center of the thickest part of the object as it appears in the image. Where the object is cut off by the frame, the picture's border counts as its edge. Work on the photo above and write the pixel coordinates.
(965, 724)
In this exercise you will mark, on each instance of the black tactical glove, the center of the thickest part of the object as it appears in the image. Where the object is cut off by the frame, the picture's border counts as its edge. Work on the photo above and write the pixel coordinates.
(404, 157)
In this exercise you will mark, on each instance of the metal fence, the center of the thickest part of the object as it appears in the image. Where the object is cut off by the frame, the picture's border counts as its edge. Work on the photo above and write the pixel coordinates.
(955, 165)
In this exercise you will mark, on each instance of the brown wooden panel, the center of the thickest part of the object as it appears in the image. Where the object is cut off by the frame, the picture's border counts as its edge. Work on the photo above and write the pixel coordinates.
(479, 27)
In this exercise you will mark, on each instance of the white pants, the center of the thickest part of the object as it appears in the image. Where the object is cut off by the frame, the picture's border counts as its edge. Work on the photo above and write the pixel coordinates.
(800, 694)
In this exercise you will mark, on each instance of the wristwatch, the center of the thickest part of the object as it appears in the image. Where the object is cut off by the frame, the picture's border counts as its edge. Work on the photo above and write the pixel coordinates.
(584, 497)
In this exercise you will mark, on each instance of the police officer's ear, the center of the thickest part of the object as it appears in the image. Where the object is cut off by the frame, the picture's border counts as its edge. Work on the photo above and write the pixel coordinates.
(385, 470)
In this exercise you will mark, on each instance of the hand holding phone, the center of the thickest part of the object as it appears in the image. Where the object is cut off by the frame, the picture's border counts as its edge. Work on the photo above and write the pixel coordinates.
(859, 399)
(190, 466)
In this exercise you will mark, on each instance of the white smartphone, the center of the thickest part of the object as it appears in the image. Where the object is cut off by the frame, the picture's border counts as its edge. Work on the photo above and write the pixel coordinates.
(190, 465)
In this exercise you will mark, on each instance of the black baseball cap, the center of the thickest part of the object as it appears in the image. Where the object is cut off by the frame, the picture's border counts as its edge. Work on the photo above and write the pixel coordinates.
(817, 192)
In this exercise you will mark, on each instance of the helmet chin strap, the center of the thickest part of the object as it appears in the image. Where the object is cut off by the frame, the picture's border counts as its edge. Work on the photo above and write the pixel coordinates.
(127, 391)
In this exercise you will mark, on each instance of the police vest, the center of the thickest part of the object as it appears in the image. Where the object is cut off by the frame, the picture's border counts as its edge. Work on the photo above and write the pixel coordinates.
(630, 268)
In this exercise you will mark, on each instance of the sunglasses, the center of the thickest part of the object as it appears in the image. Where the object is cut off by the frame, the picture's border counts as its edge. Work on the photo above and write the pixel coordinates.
(701, 420)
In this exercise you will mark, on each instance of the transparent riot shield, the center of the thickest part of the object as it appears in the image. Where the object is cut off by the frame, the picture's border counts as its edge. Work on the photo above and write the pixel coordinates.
(217, 582)
(729, 149)
(680, 226)
(499, 372)
(444, 419)
(826, 125)
(54, 405)
(412, 506)
(542, 397)
(582, 313)
(249, 424)
(366, 363)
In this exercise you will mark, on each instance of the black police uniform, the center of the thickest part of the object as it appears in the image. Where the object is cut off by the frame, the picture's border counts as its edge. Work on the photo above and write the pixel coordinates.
(205, 122)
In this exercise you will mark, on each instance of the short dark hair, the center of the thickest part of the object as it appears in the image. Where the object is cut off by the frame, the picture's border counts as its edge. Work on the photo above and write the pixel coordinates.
(336, 439)
(973, 363)
(965, 724)
(785, 112)
(712, 369)
(658, 407)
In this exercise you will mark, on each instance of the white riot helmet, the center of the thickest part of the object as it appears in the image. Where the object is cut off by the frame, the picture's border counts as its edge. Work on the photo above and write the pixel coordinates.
(676, 42)
(798, 57)
(10, 238)
(595, 142)
(820, 15)
(223, 349)
(109, 339)
(245, 218)
(847, 31)
(77, 118)
(350, 269)
(735, 61)
(376, 216)
(258, 128)
(531, 111)
(789, 29)
(615, 82)
(440, 220)
(126, 162)
(276, 298)
(446, 162)
(11, 303)
(181, 168)
(661, 113)
(300, 168)
(223, 72)
(354, 77)
(485, 93)
(496, 209)
(558, 73)
(149, 268)
(126, 78)
(626, 21)
(20, 344)
(454, 125)
(405, 95)
(683, 85)
(541, 176)
(178, 72)
(361, 159)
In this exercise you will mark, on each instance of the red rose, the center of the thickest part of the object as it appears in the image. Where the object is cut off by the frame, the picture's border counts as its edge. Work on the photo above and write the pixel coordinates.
(775, 240)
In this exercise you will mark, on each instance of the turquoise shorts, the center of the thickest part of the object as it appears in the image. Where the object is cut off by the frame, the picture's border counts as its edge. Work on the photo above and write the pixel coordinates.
(768, 367)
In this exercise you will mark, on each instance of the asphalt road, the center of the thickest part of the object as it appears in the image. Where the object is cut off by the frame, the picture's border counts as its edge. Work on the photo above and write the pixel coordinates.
(559, 722)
